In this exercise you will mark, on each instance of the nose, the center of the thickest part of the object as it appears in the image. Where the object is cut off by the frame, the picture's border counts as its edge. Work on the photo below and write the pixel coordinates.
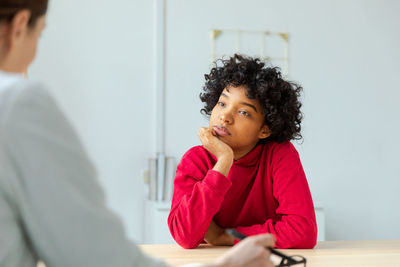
(226, 117)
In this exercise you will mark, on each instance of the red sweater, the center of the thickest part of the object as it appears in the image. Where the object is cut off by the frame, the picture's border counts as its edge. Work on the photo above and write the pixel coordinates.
(266, 191)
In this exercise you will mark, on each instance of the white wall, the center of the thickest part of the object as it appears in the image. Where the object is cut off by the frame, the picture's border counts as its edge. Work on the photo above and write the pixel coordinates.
(96, 56)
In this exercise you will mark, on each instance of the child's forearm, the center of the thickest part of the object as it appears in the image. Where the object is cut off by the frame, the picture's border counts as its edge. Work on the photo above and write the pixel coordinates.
(224, 164)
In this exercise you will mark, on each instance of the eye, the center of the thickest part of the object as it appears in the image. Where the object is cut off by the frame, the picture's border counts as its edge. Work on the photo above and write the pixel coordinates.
(243, 112)
(221, 104)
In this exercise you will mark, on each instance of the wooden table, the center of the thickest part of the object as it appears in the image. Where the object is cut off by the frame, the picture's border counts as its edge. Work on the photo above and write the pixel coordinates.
(327, 254)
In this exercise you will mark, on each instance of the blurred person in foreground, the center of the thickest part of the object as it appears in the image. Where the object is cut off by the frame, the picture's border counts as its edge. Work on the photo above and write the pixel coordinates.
(52, 207)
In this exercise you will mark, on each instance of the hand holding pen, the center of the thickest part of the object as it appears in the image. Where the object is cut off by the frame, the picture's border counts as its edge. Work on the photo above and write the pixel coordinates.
(249, 253)
(286, 260)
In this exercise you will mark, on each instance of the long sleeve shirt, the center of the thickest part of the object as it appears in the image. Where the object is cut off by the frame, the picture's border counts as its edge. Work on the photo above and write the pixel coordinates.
(51, 205)
(266, 191)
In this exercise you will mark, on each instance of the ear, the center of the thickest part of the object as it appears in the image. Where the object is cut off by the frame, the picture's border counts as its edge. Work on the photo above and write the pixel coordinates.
(18, 27)
(264, 132)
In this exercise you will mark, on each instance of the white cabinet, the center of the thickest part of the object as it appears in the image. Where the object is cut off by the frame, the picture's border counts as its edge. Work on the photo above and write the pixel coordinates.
(155, 224)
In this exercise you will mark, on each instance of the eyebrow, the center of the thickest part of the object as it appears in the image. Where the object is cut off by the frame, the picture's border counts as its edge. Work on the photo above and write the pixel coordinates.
(242, 103)
(250, 105)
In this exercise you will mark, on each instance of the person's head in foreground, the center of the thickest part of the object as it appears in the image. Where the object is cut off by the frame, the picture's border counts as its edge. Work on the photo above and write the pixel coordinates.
(249, 102)
(21, 23)
(95, 237)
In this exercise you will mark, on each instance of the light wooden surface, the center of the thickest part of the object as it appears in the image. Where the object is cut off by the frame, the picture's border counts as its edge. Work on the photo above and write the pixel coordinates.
(328, 253)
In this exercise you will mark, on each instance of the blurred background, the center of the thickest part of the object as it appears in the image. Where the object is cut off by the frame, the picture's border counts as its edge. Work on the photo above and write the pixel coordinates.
(128, 74)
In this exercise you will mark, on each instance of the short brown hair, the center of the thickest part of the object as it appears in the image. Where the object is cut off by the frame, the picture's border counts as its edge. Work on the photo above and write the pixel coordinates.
(8, 9)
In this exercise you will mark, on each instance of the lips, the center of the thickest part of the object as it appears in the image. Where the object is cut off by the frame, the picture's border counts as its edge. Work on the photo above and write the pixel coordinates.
(221, 130)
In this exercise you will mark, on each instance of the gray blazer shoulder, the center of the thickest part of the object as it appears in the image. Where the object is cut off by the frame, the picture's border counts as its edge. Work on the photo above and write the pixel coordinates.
(51, 205)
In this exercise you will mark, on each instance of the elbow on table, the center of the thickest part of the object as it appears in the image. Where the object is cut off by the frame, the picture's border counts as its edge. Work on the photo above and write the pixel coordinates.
(308, 243)
(187, 244)
(304, 242)
(313, 234)
(305, 238)
(308, 238)
(183, 238)
(184, 241)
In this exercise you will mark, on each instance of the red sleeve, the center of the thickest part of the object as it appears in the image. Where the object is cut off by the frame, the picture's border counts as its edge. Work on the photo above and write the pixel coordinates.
(296, 226)
(198, 195)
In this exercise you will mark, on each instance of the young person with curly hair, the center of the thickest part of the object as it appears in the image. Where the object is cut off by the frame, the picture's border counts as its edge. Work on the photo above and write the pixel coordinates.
(247, 175)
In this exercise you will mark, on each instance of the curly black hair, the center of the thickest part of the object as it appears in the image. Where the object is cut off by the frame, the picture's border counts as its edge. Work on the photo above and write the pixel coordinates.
(278, 98)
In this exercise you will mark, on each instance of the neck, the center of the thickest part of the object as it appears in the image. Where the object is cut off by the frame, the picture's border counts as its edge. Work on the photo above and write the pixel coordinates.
(10, 60)
(240, 153)
(11, 70)
(6, 65)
